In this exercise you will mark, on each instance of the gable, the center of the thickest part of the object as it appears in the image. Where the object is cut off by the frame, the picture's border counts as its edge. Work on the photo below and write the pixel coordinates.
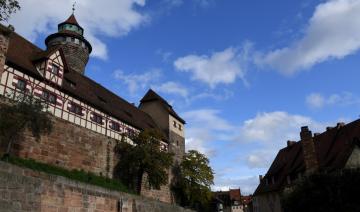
(354, 159)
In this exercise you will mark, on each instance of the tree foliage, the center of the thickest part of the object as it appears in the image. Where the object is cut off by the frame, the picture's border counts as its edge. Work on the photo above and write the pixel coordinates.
(25, 112)
(336, 191)
(8, 7)
(145, 156)
(193, 178)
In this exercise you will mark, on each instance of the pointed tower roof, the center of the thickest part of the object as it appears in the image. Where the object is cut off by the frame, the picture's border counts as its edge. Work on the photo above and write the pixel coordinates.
(71, 20)
(151, 95)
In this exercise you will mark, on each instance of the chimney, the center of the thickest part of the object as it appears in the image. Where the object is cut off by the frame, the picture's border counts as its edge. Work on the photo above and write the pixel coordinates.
(290, 143)
(260, 178)
(340, 124)
(308, 146)
(329, 128)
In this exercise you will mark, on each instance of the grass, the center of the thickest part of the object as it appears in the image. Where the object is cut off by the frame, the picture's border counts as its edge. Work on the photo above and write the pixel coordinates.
(78, 175)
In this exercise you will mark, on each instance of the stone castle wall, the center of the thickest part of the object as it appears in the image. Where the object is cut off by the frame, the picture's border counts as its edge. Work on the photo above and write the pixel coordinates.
(73, 147)
(76, 56)
(26, 190)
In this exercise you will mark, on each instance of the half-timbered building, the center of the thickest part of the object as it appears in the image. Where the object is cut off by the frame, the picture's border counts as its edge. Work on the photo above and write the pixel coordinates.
(57, 75)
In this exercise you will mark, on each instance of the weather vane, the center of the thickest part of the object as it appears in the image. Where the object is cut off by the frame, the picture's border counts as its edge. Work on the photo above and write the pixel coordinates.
(73, 8)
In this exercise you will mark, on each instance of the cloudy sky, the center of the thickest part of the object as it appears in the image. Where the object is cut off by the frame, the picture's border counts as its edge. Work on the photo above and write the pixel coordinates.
(245, 75)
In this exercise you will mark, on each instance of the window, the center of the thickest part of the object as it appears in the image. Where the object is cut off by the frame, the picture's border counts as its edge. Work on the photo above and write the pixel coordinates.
(55, 69)
(180, 128)
(75, 108)
(115, 126)
(174, 123)
(97, 118)
(49, 97)
(21, 85)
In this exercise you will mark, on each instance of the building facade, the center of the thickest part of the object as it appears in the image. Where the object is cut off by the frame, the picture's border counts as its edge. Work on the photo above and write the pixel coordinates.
(231, 201)
(92, 119)
(335, 149)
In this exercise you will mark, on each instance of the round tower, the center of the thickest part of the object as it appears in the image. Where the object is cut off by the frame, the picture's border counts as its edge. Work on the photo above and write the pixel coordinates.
(76, 48)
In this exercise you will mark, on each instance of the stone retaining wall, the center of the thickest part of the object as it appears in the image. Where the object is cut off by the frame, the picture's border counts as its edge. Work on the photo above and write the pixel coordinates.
(22, 189)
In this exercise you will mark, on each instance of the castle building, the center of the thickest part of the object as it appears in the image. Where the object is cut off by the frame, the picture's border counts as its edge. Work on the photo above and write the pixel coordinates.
(335, 149)
(89, 119)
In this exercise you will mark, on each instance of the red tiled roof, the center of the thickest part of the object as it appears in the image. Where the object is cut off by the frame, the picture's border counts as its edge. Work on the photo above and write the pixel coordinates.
(71, 20)
(333, 148)
(21, 55)
(235, 195)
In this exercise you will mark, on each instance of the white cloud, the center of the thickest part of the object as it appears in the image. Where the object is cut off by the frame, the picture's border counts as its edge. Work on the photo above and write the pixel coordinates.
(270, 132)
(222, 67)
(165, 55)
(208, 119)
(276, 128)
(108, 17)
(246, 184)
(318, 101)
(332, 32)
(204, 127)
(172, 88)
(136, 81)
(315, 100)
(248, 147)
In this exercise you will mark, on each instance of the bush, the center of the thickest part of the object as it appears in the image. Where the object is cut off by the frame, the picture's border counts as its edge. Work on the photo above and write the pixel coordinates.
(337, 191)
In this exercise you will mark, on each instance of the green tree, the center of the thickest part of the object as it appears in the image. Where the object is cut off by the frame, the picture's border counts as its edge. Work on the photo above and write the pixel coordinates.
(192, 181)
(25, 112)
(8, 7)
(324, 192)
(144, 157)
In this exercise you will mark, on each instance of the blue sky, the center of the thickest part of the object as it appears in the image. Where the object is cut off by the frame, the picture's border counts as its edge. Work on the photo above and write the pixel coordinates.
(245, 75)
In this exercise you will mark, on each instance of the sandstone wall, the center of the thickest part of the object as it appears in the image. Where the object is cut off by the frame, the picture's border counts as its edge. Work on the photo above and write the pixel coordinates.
(71, 147)
(26, 190)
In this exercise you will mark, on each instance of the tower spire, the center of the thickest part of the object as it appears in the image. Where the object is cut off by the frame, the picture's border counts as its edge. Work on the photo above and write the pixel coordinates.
(73, 7)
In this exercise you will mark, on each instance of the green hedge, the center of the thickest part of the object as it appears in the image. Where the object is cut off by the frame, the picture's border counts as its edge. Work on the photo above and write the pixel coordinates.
(79, 175)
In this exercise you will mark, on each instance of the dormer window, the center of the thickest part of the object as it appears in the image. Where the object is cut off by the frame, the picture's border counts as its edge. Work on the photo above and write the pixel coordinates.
(55, 69)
